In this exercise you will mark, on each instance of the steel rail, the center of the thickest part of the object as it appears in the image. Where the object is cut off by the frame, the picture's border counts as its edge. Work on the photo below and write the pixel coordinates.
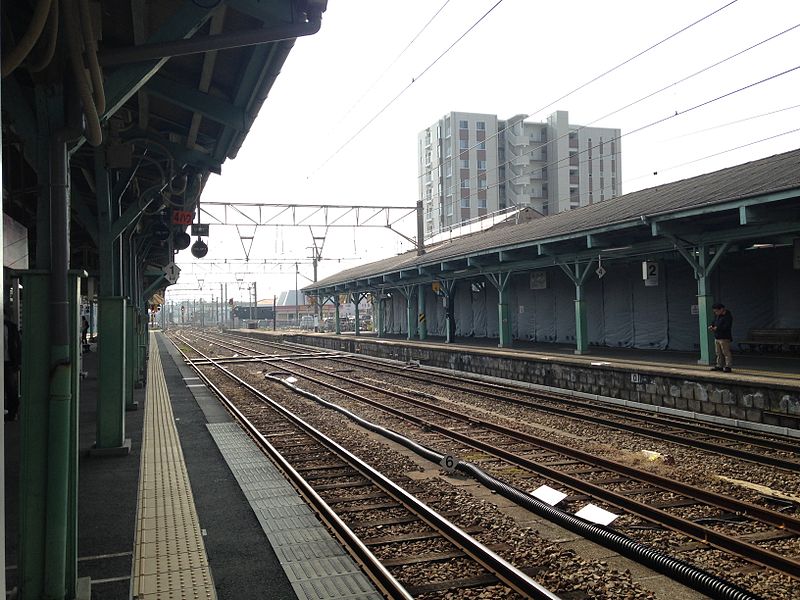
(746, 550)
(755, 457)
(504, 571)
(372, 566)
(780, 445)
(749, 551)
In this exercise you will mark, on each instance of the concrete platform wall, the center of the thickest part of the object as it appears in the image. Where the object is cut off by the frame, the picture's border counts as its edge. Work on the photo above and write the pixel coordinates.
(719, 396)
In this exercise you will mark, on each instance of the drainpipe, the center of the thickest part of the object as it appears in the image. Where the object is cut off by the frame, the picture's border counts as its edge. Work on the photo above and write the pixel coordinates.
(58, 450)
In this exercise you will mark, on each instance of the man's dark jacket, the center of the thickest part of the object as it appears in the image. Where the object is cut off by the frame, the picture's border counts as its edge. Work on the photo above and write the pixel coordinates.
(723, 324)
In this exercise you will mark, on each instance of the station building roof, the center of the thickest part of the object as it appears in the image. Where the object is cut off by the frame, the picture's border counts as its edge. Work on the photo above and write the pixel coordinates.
(755, 201)
(182, 85)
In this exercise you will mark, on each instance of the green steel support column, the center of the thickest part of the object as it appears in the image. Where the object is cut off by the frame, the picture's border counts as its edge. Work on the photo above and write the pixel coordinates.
(33, 433)
(132, 349)
(505, 322)
(111, 388)
(581, 329)
(143, 325)
(408, 293)
(336, 305)
(356, 298)
(500, 282)
(110, 323)
(704, 302)
(379, 317)
(75, 361)
(421, 324)
(450, 291)
(60, 377)
(578, 277)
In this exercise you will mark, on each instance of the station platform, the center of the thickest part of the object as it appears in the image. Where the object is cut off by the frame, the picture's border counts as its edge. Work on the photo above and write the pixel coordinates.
(777, 368)
(761, 389)
(195, 511)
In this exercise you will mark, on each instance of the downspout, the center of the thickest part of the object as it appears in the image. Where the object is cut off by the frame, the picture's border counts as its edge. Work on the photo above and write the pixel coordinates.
(58, 450)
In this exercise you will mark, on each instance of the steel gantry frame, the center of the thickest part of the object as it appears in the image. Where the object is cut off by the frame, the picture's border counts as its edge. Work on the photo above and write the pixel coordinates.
(279, 214)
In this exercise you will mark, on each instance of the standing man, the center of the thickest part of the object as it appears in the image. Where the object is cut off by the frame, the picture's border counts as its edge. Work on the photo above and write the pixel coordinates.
(723, 323)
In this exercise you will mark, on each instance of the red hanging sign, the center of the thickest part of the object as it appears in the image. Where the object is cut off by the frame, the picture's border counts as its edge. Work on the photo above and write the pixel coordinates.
(182, 217)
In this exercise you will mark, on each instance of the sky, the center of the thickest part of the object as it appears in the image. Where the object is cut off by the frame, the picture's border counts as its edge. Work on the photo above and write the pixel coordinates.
(340, 124)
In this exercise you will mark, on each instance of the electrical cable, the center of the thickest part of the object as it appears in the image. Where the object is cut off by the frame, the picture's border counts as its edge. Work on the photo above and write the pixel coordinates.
(635, 56)
(391, 64)
(729, 123)
(683, 79)
(696, 160)
(39, 64)
(619, 65)
(648, 125)
(19, 53)
(693, 161)
(90, 51)
(403, 91)
(93, 132)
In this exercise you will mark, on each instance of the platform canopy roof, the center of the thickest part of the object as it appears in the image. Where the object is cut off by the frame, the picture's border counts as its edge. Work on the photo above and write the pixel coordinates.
(183, 81)
(756, 202)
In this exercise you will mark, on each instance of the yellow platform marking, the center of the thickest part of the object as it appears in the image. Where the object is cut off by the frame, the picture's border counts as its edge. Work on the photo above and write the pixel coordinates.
(169, 558)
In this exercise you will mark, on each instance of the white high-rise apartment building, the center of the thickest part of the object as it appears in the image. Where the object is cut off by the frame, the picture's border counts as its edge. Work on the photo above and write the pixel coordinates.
(473, 164)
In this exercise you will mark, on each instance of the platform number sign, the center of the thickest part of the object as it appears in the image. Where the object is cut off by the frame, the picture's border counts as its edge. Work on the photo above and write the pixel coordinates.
(650, 273)
(171, 272)
(449, 463)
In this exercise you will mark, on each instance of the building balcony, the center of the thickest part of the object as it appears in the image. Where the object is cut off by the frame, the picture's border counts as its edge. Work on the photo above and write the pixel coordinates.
(520, 161)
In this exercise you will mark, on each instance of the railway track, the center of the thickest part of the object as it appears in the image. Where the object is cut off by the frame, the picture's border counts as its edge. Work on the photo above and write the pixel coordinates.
(370, 512)
(750, 528)
(775, 451)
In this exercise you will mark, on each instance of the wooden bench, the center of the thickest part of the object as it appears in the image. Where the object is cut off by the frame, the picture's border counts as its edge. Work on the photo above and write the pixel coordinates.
(772, 340)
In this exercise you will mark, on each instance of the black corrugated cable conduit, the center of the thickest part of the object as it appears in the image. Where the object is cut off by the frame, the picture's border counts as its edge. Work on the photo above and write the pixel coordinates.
(674, 568)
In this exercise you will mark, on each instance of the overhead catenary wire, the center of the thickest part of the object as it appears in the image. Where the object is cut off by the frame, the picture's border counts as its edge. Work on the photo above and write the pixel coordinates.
(652, 123)
(628, 105)
(405, 89)
(617, 66)
(729, 123)
(371, 86)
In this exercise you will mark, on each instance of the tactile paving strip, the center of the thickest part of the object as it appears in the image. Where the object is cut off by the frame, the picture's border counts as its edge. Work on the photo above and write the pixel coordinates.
(170, 561)
(317, 566)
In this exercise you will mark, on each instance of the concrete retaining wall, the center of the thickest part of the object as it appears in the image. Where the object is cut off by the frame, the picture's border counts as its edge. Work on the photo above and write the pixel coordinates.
(773, 405)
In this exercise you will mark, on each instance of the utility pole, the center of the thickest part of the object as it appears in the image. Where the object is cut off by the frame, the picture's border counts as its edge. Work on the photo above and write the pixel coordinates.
(255, 301)
(296, 300)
